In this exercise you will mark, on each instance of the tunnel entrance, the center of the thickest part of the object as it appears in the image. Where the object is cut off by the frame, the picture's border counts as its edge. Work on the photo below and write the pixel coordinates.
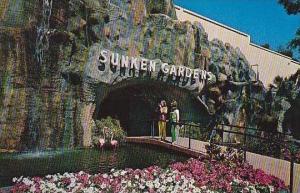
(134, 106)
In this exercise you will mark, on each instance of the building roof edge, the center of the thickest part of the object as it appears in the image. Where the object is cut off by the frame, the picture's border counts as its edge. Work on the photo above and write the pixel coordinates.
(236, 31)
(212, 21)
(274, 52)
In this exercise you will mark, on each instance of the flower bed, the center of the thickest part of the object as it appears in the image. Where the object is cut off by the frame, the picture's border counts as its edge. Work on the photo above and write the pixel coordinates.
(229, 178)
(195, 175)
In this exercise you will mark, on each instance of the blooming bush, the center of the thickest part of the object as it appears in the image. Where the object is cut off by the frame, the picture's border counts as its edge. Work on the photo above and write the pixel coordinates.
(195, 175)
(222, 177)
(291, 152)
(108, 129)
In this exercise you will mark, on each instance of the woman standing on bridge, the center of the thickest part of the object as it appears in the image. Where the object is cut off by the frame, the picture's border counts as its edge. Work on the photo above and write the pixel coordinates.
(174, 120)
(163, 111)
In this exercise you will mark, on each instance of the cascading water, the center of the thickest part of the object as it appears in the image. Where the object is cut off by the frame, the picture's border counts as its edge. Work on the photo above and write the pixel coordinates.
(31, 141)
(43, 31)
(68, 135)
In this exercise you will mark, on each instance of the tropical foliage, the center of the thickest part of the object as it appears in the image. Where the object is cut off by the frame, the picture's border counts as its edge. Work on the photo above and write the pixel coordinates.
(293, 7)
(108, 128)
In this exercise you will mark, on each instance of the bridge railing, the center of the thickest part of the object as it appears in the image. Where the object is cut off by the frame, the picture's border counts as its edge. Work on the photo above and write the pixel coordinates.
(268, 143)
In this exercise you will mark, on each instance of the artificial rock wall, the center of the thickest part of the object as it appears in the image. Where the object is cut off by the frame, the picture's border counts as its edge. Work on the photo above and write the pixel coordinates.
(47, 97)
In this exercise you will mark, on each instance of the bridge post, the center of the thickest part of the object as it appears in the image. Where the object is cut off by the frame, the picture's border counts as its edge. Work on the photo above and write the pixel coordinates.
(190, 137)
(244, 147)
(292, 174)
(152, 128)
(222, 134)
(184, 131)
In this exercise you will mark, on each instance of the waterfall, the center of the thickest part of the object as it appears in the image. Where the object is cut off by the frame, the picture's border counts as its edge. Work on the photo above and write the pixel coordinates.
(43, 31)
(32, 139)
(68, 135)
(67, 138)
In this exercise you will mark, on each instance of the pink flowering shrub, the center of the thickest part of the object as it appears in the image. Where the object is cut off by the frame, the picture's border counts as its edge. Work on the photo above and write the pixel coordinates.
(287, 152)
(220, 176)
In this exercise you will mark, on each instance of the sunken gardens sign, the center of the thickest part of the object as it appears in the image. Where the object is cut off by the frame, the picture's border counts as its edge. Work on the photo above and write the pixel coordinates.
(109, 67)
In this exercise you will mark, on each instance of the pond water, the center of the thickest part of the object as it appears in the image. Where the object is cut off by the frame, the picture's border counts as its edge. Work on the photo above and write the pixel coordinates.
(88, 160)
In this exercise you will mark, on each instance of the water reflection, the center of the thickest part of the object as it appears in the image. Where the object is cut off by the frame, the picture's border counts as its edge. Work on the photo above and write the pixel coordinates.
(88, 160)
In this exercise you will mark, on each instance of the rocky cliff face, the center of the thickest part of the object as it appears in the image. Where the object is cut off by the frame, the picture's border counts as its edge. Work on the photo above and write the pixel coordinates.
(47, 96)
(285, 105)
(37, 105)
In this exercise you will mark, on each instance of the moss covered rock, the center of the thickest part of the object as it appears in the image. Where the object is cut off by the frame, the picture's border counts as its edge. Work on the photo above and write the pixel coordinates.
(47, 96)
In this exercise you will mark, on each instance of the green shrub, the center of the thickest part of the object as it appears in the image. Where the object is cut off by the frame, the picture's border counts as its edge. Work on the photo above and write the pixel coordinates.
(197, 133)
(108, 128)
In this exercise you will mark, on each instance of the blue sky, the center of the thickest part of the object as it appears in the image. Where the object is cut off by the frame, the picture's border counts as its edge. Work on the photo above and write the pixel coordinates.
(264, 20)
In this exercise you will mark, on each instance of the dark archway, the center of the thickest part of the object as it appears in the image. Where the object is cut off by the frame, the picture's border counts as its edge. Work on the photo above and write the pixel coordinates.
(134, 105)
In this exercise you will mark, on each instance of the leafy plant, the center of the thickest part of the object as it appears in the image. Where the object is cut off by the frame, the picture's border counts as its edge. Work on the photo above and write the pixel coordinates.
(291, 152)
(227, 156)
(108, 128)
(196, 132)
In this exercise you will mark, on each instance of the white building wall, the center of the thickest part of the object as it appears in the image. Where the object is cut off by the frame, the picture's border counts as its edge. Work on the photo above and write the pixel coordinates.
(271, 64)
